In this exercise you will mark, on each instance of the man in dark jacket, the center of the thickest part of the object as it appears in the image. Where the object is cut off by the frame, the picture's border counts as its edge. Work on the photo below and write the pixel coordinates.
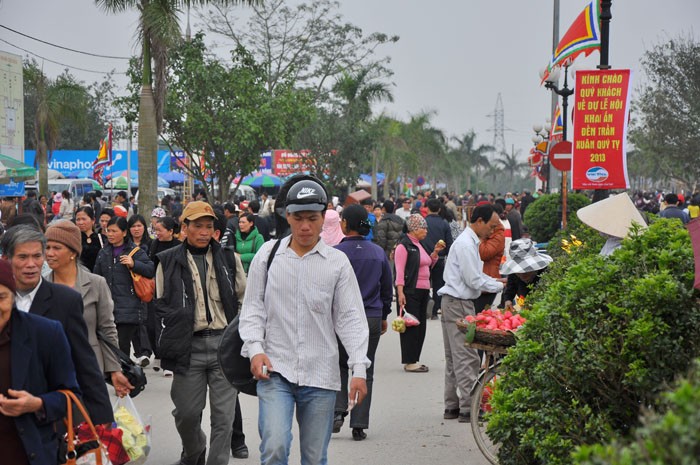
(260, 222)
(32, 206)
(25, 249)
(673, 210)
(388, 231)
(196, 301)
(438, 229)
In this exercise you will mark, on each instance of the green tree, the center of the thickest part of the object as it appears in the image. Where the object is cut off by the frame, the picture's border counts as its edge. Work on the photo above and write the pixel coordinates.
(223, 117)
(310, 44)
(511, 164)
(52, 104)
(159, 32)
(666, 131)
(472, 157)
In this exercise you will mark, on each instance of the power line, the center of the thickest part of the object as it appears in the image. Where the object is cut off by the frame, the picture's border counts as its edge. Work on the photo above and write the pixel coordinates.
(62, 47)
(57, 62)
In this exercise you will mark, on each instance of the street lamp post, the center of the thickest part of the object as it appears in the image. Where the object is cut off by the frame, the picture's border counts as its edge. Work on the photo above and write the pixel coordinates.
(564, 92)
(542, 135)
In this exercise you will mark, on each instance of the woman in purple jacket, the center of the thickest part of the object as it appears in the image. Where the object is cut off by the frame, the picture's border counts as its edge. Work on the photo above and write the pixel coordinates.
(373, 274)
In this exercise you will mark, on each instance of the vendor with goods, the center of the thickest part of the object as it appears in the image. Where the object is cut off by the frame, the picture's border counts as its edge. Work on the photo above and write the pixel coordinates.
(612, 218)
(523, 269)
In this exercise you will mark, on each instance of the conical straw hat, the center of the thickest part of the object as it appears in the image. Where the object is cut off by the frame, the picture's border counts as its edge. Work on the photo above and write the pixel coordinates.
(612, 216)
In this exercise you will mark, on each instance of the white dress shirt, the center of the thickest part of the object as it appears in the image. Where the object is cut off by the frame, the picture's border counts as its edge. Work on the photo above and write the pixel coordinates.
(464, 270)
(24, 301)
(294, 319)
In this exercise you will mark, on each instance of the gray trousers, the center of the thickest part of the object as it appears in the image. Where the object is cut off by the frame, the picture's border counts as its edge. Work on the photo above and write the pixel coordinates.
(461, 363)
(189, 392)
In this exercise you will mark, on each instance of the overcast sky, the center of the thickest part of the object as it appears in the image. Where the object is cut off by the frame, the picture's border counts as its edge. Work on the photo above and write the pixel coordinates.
(454, 56)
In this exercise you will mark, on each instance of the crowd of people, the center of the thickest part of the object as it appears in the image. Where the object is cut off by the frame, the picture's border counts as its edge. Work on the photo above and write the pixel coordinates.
(349, 265)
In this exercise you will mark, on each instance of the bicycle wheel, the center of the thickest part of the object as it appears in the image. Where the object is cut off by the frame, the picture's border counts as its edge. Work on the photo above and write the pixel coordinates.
(481, 397)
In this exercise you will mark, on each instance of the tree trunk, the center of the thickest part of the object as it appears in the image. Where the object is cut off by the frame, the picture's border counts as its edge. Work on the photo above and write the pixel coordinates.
(42, 160)
(148, 151)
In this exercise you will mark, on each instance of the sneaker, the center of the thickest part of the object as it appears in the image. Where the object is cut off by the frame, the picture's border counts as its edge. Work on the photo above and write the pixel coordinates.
(143, 361)
(451, 413)
(464, 418)
(167, 374)
(338, 421)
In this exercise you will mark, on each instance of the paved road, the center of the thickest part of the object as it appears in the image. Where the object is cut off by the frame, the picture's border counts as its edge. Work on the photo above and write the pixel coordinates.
(406, 424)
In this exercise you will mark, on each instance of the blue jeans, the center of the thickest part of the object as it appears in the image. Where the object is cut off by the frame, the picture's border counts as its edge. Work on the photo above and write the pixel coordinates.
(315, 408)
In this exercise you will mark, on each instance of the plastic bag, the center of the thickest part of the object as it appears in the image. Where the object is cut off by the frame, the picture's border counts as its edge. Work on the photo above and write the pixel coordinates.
(136, 435)
(410, 319)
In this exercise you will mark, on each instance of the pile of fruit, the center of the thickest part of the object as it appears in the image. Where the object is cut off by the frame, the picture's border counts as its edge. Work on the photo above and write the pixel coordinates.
(496, 319)
(398, 325)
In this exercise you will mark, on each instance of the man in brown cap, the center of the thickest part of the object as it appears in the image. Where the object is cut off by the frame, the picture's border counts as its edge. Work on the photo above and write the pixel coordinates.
(196, 299)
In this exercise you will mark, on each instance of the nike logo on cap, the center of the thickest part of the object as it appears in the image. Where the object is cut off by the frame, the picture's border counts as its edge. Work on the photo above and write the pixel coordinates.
(306, 192)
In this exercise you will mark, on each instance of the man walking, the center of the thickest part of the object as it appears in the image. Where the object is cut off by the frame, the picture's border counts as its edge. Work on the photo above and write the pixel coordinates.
(438, 230)
(464, 282)
(196, 300)
(289, 321)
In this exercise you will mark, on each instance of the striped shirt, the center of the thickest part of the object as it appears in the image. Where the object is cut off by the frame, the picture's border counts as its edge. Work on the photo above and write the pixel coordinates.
(295, 318)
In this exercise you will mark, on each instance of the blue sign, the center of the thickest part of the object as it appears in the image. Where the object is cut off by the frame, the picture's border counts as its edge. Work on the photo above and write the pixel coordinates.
(67, 161)
(13, 189)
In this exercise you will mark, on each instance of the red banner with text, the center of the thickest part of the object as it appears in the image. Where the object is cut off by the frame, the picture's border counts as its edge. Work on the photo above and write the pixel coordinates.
(600, 119)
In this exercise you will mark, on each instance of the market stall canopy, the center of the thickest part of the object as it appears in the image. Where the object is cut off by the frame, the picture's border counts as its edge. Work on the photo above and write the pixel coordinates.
(263, 180)
(14, 170)
(357, 197)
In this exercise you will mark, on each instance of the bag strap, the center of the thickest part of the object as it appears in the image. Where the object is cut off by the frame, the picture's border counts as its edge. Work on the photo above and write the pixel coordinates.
(273, 252)
(136, 249)
(71, 399)
(116, 350)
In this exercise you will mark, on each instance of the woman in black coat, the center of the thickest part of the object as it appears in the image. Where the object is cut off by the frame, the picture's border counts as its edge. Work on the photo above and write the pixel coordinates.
(114, 264)
(92, 241)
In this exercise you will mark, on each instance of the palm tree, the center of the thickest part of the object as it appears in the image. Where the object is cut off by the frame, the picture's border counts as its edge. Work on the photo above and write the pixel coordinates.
(511, 163)
(358, 91)
(472, 157)
(159, 32)
(55, 101)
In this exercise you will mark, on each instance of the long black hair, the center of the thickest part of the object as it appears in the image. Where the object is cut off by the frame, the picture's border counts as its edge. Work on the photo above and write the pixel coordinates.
(356, 220)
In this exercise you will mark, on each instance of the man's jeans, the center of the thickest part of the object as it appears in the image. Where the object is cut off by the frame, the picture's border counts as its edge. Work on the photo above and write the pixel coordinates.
(277, 399)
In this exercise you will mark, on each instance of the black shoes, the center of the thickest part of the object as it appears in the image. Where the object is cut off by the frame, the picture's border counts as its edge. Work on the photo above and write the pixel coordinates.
(451, 414)
(358, 434)
(464, 418)
(200, 460)
(240, 452)
(338, 421)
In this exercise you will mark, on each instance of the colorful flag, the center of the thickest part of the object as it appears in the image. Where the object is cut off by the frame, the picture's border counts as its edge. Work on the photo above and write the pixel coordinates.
(104, 156)
(556, 134)
(583, 36)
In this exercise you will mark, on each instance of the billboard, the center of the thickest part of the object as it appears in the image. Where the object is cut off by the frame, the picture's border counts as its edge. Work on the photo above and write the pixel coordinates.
(11, 106)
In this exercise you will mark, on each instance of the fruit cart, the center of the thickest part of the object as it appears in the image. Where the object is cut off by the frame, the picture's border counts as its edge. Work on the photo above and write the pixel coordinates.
(494, 345)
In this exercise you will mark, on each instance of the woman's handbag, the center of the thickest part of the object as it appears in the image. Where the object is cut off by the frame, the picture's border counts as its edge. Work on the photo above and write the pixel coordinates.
(80, 451)
(144, 288)
(132, 371)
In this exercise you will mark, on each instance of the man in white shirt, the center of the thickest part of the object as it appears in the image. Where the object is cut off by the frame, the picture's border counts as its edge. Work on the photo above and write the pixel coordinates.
(289, 321)
(464, 282)
(405, 210)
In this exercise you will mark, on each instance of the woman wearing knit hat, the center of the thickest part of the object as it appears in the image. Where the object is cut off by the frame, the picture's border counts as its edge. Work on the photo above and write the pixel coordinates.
(63, 249)
(413, 265)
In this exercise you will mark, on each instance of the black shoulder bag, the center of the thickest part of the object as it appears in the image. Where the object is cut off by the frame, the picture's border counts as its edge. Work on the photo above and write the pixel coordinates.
(234, 366)
(132, 371)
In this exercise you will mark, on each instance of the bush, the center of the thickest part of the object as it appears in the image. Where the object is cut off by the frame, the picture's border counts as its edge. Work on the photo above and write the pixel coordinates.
(604, 336)
(665, 438)
(543, 216)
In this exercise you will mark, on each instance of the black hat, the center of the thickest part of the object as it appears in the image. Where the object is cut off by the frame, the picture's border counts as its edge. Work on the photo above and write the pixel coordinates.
(306, 195)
